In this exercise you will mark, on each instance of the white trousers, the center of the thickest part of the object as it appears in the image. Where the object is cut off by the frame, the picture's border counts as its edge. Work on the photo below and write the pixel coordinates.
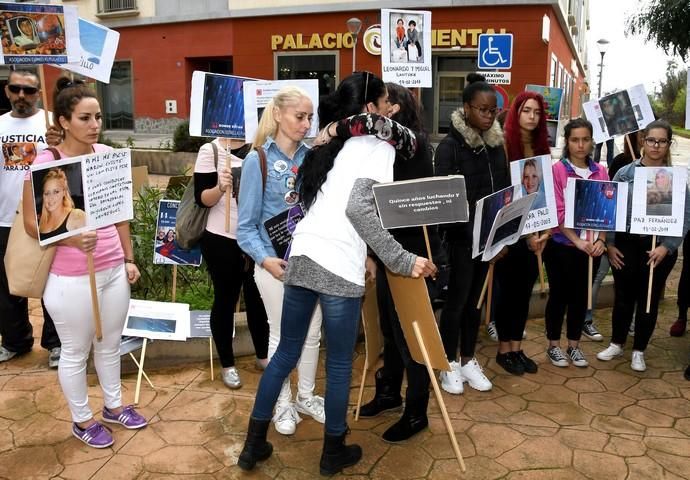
(271, 291)
(68, 300)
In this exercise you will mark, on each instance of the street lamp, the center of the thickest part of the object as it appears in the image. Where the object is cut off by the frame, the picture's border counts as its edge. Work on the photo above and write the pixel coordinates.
(354, 25)
(603, 45)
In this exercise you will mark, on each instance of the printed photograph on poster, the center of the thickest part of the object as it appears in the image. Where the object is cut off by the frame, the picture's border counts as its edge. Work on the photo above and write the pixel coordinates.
(485, 213)
(82, 193)
(619, 113)
(257, 94)
(596, 205)
(406, 47)
(97, 47)
(217, 105)
(157, 320)
(19, 154)
(508, 225)
(281, 227)
(534, 175)
(165, 248)
(658, 201)
(553, 98)
(38, 34)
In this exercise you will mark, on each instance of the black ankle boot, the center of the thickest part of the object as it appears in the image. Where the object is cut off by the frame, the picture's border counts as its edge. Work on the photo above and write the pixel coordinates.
(413, 421)
(387, 396)
(256, 448)
(336, 455)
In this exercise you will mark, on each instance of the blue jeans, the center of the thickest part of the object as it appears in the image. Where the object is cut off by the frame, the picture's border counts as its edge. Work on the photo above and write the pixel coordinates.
(340, 321)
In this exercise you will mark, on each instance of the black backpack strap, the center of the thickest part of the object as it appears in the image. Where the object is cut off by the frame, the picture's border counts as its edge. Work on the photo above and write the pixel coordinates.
(263, 164)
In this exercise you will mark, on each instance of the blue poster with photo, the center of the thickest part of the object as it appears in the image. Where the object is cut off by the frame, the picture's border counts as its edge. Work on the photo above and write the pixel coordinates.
(596, 205)
(166, 249)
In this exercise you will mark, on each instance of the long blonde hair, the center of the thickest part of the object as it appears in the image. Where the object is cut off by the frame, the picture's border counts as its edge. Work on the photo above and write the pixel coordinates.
(59, 175)
(268, 126)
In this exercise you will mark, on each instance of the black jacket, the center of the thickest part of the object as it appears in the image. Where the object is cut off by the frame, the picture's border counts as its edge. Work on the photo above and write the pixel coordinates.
(480, 159)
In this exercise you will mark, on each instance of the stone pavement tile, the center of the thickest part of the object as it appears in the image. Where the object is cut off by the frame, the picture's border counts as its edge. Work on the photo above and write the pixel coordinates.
(615, 424)
(50, 399)
(455, 404)
(403, 463)
(198, 406)
(683, 425)
(236, 418)
(549, 474)
(439, 446)
(673, 446)
(300, 455)
(123, 436)
(146, 442)
(438, 427)
(548, 374)
(513, 385)
(552, 394)
(677, 465)
(203, 476)
(652, 388)
(675, 407)
(181, 459)
(536, 431)
(685, 392)
(585, 385)
(226, 448)
(31, 383)
(582, 440)
(570, 371)
(172, 377)
(85, 470)
(644, 468)
(606, 403)
(183, 432)
(614, 381)
(666, 432)
(537, 453)
(531, 419)
(6, 440)
(493, 440)
(646, 416)
(477, 468)
(600, 465)
(120, 467)
(626, 446)
(29, 463)
(16, 405)
(512, 403)
(373, 450)
(228, 473)
(75, 452)
(40, 429)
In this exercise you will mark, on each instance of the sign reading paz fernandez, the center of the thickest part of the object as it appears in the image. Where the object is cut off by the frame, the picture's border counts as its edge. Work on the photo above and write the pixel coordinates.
(427, 201)
(658, 201)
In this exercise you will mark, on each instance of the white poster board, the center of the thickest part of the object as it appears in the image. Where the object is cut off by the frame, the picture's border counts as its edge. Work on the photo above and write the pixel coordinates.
(508, 226)
(82, 193)
(597, 205)
(97, 47)
(406, 47)
(485, 214)
(534, 175)
(658, 201)
(258, 93)
(619, 113)
(157, 320)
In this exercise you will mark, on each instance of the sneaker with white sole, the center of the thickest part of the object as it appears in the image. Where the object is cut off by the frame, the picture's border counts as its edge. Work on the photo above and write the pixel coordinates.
(451, 381)
(312, 406)
(577, 357)
(610, 352)
(54, 357)
(6, 355)
(231, 378)
(491, 330)
(473, 374)
(557, 356)
(96, 435)
(637, 362)
(591, 332)
(286, 419)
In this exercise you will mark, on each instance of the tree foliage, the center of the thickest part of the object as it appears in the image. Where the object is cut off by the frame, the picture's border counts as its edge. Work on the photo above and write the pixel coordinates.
(670, 101)
(665, 23)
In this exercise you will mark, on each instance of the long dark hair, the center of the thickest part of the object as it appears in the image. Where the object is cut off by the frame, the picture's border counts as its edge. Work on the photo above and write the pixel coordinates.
(568, 129)
(410, 113)
(511, 128)
(350, 98)
(68, 93)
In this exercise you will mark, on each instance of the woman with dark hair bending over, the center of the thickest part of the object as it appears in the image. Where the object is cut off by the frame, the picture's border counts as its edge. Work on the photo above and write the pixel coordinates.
(327, 266)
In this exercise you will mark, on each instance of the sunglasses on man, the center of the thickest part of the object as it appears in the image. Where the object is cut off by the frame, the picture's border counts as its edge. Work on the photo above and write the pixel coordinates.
(18, 88)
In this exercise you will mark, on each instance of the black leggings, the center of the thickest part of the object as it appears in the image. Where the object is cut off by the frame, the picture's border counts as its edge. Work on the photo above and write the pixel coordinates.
(684, 284)
(630, 286)
(515, 275)
(460, 318)
(229, 273)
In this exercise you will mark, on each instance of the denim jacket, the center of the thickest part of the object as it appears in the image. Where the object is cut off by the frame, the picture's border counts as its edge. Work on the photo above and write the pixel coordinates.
(257, 206)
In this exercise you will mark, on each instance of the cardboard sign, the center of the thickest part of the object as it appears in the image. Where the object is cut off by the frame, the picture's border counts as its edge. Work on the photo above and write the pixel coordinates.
(281, 227)
(373, 338)
(165, 247)
(658, 201)
(534, 175)
(485, 214)
(553, 98)
(424, 201)
(38, 34)
(217, 105)
(596, 205)
(619, 113)
(406, 47)
(508, 225)
(200, 324)
(157, 320)
(258, 93)
(83, 193)
(97, 47)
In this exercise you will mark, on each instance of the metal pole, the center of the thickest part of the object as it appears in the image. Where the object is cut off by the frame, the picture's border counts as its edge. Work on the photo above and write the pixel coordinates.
(601, 72)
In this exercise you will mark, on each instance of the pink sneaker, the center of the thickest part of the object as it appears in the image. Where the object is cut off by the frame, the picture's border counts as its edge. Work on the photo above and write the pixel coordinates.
(128, 418)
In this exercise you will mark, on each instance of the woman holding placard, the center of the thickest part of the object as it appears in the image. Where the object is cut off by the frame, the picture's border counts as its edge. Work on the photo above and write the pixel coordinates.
(67, 293)
(567, 254)
(632, 256)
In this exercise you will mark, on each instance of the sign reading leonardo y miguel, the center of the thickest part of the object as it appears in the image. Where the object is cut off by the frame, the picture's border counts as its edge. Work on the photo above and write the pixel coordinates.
(427, 201)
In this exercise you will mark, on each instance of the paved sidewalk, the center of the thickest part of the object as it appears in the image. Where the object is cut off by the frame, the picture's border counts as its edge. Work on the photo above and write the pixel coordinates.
(602, 422)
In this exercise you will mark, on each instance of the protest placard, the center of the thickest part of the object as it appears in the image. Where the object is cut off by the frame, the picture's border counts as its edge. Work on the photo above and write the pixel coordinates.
(534, 175)
(485, 213)
(200, 324)
(166, 250)
(258, 93)
(596, 205)
(423, 201)
(82, 193)
(97, 47)
(217, 105)
(39, 34)
(281, 227)
(553, 98)
(157, 320)
(619, 113)
(406, 47)
(508, 225)
(658, 201)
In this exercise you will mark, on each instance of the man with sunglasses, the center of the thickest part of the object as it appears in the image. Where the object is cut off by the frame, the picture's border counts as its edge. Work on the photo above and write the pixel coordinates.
(23, 135)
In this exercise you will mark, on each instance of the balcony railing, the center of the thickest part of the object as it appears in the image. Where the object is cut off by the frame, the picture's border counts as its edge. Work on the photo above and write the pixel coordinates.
(113, 6)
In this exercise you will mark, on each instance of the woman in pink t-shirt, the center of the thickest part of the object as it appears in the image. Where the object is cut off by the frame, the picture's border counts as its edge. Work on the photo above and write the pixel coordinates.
(67, 294)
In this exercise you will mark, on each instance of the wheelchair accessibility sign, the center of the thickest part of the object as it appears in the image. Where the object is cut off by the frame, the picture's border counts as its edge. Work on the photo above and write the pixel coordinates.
(495, 51)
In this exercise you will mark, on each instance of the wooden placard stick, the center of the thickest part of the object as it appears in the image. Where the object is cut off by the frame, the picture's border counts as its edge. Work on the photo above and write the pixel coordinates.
(146, 377)
(227, 209)
(481, 295)
(489, 292)
(210, 354)
(590, 269)
(428, 245)
(540, 265)
(632, 150)
(44, 94)
(94, 297)
(361, 389)
(651, 276)
(174, 283)
(141, 371)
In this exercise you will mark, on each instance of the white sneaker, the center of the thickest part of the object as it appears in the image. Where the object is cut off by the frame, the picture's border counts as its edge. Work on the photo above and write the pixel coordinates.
(611, 352)
(637, 363)
(286, 419)
(491, 330)
(451, 381)
(312, 406)
(474, 375)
